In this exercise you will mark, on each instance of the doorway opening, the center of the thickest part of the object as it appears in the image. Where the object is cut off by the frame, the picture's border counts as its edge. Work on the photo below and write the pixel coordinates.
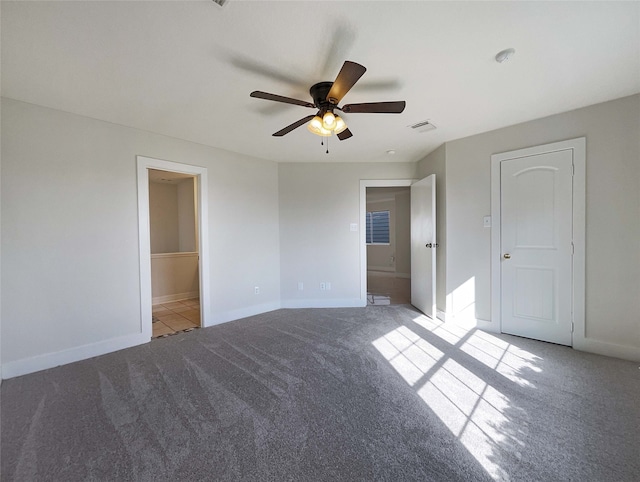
(173, 234)
(173, 231)
(388, 245)
(383, 282)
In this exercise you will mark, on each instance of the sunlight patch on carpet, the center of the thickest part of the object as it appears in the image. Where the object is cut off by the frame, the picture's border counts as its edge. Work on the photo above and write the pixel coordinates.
(408, 353)
(472, 409)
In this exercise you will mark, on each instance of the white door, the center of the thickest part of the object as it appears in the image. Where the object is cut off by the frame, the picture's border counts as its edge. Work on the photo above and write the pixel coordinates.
(423, 245)
(536, 246)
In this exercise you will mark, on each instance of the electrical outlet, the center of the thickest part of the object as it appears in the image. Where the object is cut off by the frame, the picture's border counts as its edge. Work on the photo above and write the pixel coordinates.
(257, 290)
(486, 221)
(323, 286)
(300, 286)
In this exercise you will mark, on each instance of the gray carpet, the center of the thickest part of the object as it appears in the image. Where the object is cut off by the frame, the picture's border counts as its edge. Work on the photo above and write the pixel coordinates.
(332, 394)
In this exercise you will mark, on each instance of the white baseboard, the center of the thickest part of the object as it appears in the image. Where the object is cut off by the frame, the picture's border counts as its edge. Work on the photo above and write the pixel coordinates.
(389, 274)
(466, 322)
(487, 325)
(589, 345)
(598, 347)
(381, 269)
(175, 297)
(50, 360)
(322, 303)
(231, 315)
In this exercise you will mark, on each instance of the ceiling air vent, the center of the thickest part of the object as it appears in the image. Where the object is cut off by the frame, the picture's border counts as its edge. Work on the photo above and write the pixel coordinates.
(220, 2)
(423, 126)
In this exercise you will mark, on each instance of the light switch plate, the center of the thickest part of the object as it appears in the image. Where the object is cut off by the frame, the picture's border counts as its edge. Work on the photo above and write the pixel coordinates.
(353, 227)
(486, 221)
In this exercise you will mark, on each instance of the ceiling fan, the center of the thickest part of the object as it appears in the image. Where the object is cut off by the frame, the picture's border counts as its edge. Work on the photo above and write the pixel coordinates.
(326, 97)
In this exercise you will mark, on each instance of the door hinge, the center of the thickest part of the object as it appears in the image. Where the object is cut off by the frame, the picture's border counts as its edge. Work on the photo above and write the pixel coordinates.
(572, 326)
(573, 169)
(573, 248)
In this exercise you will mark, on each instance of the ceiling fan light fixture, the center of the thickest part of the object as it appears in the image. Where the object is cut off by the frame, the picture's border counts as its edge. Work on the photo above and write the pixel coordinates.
(340, 125)
(328, 120)
(316, 122)
(318, 130)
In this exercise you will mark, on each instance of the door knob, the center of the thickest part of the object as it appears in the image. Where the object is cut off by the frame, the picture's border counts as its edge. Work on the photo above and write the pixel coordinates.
(506, 256)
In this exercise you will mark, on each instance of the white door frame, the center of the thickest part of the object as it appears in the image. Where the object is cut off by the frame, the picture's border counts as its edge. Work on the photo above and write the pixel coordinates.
(364, 184)
(578, 146)
(144, 237)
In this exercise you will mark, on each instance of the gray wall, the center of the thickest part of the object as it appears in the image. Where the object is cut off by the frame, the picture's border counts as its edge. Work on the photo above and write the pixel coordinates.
(612, 131)
(163, 217)
(403, 232)
(318, 201)
(1, 354)
(172, 216)
(70, 272)
(187, 226)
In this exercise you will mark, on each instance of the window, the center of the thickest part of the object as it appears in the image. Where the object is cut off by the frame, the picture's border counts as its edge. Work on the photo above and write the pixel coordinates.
(378, 227)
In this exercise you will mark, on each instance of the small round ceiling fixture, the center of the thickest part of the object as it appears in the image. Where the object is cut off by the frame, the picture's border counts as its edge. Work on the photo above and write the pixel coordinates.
(391, 152)
(504, 55)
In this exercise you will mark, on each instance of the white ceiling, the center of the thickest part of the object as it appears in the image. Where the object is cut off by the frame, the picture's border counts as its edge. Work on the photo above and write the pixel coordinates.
(186, 68)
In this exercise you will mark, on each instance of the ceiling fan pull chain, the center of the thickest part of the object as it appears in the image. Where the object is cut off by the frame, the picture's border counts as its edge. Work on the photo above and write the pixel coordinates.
(327, 145)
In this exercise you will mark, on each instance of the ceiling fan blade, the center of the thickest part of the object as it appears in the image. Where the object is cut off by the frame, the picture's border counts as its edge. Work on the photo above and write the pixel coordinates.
(295, 125)
(347, 77)
(345, 134)
(256, 67)
(278, 98)
(376, 107)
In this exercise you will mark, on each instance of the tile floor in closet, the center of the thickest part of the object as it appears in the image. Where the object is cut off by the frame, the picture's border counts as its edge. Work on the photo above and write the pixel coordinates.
(175, 317)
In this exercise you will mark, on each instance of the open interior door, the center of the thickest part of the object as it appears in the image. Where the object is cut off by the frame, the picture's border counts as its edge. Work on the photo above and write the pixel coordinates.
(423, 245)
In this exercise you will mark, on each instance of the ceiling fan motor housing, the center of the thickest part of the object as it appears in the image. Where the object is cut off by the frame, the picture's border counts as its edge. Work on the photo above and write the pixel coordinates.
(319, 94)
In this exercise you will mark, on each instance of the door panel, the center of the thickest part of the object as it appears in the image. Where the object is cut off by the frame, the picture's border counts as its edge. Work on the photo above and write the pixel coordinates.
(534, 289)
(536, 237)
(423, 242)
